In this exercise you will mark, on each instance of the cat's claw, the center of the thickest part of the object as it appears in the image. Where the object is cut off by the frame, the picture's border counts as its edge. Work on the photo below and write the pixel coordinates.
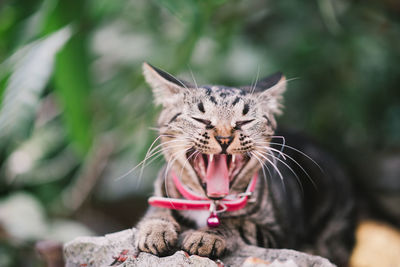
(158, 237)
(204, 244)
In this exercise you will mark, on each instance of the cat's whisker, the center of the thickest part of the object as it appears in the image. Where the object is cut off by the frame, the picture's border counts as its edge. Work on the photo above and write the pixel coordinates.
(171, 159)
(290, 147)
(153, 159)
(142, 162)
(147, 164)
(186, 161)
(178, 131)
(299, 165)
(281, 153)
(159, 152)
(287, 166)
(179, 81)
(253, 88)
(279, 173)
(271, 148)
(279, 84)
(175, 156)
(177, 140)
(170, 162)
(262, 161)
(154, 156)
(154, 151)
(152, 144)
(273, 165)
(194, 80)
(165, 178)
(157, 129)
(262, 166)
(134, 168)
(150, 150)
(302, 153)
(285, 155)
(292, 79)
(279, 136)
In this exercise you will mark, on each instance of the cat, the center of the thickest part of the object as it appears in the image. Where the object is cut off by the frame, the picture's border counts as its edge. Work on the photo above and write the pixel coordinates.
(231, 178)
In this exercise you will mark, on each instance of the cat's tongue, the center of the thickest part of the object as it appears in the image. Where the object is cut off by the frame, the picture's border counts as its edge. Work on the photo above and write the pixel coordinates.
(217, 176)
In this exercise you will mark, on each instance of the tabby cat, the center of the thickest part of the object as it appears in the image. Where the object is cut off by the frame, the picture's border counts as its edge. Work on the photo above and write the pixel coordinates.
(231, 179)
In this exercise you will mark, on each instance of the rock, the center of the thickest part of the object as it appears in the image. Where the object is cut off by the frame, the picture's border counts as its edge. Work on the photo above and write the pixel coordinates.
(257, 262)
(117, 249)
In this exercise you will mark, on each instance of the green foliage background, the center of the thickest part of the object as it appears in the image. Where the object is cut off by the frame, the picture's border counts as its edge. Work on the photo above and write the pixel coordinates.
(75, 114)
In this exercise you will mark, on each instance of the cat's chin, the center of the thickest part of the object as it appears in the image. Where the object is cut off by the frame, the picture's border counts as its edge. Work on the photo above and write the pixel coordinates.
(216, 172)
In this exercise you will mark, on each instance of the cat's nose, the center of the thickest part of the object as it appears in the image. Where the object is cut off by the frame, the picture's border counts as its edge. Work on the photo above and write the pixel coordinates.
(224, 142)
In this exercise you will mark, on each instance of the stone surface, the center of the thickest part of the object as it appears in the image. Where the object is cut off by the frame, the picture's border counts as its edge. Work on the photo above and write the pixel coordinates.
(117, 250)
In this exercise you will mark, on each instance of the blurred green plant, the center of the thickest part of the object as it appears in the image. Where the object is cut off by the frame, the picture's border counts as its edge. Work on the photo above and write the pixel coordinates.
(75, 113)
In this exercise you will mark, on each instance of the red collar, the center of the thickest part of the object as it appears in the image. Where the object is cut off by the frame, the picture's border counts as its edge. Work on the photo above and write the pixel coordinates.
(194, 201)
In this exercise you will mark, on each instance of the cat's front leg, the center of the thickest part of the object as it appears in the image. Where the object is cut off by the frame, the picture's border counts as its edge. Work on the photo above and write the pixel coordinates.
(157, 232)
(208, 242)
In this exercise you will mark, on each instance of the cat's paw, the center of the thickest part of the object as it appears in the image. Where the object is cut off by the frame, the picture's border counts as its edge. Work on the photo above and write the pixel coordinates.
(204, 244)
(157, 236)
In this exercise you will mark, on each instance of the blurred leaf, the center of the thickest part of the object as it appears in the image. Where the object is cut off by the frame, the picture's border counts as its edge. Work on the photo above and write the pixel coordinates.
(66, 230)
(95, 162)
(29, 77)
(30, 162)
(8, 254)
(18, 209)
(33, 25)
(102, 9)
(3, 83)
(50, 170)
(71, 77)
(72, 86)
(7, 18)
(328, 15)
(181, 9)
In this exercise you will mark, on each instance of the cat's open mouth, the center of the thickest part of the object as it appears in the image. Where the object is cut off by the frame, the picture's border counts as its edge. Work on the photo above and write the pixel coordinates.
(217, 171)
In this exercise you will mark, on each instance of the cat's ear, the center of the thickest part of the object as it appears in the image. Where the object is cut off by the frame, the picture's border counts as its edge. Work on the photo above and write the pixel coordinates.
(270, 90)
(165, 86)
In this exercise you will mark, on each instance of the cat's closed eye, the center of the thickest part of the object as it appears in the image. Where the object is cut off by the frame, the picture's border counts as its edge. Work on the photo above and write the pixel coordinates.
(239, 124)
(205, 122)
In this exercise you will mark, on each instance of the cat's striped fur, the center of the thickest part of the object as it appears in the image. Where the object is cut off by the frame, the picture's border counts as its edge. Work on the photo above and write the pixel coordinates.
(295, 204)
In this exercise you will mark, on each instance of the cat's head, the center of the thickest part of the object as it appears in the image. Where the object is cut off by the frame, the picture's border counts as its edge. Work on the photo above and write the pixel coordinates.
(215, 137)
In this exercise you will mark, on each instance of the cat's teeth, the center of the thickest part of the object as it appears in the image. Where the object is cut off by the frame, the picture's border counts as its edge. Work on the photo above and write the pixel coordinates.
(211, 157)
(233, 158)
